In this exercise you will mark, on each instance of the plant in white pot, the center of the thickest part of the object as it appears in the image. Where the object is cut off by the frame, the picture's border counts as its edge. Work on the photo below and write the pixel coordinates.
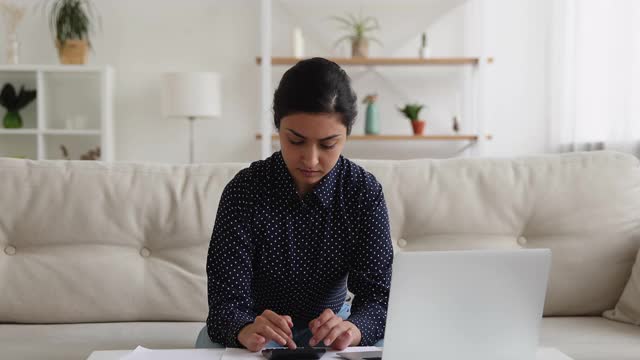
(358, 29)
(72, 23)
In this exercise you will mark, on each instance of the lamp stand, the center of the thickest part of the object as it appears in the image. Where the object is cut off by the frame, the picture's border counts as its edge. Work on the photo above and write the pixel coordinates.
(191, 121)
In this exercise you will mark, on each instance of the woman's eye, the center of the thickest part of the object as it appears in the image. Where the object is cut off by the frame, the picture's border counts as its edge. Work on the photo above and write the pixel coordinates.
(328, 146)
(299, 142)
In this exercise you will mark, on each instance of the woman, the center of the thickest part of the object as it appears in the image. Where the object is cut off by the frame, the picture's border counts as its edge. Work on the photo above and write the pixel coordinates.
(294, 230)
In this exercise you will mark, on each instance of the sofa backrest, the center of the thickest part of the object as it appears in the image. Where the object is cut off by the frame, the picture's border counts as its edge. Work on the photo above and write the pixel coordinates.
(99, 242)
(585, 207)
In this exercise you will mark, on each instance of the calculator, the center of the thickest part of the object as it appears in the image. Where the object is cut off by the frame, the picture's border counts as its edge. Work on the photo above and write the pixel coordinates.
(293, 354)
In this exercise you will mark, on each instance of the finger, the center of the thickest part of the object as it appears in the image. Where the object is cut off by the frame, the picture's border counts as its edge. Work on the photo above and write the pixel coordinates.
(271, 334)
(290, 343)
(335, 332)
(321, 332)
(278, 321)
(289, 320)
(323, 318)
(281, 338)
(343, 341)
(280, 332)
(256, 342)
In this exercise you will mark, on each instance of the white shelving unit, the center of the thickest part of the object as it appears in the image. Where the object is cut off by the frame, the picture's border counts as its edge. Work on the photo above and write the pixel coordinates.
(472, 74)
(73, 107)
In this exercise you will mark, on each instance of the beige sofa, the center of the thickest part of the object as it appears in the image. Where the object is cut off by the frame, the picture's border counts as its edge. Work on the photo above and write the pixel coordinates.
(110, 256)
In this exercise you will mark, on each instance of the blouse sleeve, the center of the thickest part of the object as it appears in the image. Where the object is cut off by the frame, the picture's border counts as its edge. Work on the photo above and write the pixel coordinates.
(370, 275)
(229, 264)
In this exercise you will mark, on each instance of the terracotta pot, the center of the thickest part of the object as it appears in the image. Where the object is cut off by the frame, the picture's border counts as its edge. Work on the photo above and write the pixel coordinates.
(360, 48)
(73, 52)
(418, 127)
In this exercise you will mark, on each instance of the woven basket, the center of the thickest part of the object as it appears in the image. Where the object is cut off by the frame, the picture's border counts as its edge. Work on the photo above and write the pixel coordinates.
(73, 51)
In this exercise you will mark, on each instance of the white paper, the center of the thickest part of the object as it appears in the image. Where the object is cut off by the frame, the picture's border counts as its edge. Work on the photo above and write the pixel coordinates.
(141, 353)
(137, 353)
(241, 354)
(333, 354)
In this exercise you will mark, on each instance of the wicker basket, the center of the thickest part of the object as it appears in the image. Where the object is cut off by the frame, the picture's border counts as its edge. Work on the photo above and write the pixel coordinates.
(73, 51)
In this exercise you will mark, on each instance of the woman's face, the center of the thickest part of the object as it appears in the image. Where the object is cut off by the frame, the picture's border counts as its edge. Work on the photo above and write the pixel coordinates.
(311, 145)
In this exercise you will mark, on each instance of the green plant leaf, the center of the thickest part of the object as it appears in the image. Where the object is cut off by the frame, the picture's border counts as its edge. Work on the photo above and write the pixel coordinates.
(25, 97)
(411, 111)
(344, 21)
(8, 97)
(353, 19)
(371, 19)
(357, 26)
(341, 39)
(72, 19)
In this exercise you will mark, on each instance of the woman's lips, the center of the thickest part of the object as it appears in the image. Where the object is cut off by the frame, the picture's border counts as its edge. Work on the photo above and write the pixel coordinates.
(309, 173)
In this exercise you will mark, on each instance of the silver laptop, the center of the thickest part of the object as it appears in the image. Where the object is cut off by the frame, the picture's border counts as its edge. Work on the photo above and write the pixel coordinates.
(480, 305)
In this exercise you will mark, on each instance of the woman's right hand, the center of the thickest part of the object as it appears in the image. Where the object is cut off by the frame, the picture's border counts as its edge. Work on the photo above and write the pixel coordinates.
(266, 327)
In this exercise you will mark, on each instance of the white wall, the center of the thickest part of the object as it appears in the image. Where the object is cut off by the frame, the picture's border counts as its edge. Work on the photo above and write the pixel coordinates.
(517, 114)
(144, 38)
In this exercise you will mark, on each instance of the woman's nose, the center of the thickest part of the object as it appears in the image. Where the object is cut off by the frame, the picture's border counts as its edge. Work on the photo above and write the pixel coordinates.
(310, 157)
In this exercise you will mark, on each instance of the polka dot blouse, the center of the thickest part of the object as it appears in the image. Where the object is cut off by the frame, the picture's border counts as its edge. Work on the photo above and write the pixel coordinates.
(271, 249)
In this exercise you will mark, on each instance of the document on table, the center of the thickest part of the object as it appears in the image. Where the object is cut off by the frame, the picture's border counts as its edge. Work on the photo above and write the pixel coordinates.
(243, 354)
(142, 353)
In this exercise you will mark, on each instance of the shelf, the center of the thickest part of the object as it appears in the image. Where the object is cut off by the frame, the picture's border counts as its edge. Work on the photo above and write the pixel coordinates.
(72, 132)
(18, 131)
(73, 107)
(382, 61)
(48, 132)
(53, 68)
(403, 137)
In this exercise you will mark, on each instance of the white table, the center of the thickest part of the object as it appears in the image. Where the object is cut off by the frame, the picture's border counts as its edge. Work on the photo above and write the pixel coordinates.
(216, 354)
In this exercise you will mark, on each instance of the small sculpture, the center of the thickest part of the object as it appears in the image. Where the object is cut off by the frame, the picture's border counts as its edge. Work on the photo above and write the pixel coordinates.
(92, 154)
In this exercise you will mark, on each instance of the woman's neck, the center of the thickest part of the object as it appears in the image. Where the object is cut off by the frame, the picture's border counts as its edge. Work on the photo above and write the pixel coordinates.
(303, 189)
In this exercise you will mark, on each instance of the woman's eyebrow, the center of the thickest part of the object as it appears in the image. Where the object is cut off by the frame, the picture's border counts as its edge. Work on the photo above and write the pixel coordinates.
(304, 137)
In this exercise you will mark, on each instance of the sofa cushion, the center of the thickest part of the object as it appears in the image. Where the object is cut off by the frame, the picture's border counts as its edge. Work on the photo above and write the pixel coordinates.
(591, 338)
(628, 308)
(106, 242)
(77, 341)
(585, 207)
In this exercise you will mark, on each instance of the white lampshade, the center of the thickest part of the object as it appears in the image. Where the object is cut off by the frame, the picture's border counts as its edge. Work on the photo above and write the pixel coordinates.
(192, 95)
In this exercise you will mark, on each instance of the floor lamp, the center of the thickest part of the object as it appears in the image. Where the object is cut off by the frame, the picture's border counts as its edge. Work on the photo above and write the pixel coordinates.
(191, 95)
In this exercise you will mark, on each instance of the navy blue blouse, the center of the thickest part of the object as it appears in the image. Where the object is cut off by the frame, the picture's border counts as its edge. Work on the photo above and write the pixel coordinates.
(271, 249)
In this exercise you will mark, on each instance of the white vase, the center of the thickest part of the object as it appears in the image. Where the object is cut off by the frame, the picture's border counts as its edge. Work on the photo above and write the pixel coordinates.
(425, 52)
(298, 43)
(13, 49)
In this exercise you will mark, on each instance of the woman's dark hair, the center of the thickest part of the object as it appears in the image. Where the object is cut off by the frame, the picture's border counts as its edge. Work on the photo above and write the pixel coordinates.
(316, 86)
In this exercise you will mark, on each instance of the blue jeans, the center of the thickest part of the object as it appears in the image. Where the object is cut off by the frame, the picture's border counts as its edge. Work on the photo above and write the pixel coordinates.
(301, 334)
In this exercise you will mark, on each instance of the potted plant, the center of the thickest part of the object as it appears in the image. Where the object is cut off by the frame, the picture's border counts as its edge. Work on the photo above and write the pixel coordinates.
(412, 112)
(424, 47)
(14, 103)
(71, 23)
(359, 29)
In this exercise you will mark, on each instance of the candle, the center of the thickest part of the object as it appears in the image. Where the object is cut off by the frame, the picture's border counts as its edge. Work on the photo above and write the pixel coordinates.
(298, 43)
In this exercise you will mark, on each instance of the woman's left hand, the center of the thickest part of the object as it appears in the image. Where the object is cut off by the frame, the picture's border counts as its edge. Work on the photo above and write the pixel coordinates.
(333, 331)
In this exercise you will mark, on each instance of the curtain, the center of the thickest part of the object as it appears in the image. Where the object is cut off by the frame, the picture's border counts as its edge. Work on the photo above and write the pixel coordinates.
(595, 75)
